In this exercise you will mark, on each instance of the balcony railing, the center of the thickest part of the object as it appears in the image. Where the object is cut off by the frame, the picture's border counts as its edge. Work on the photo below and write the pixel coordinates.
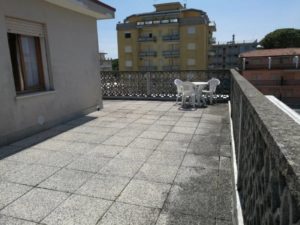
(145, 39)
(212, 40)
(171, 67)
(148, 68)
(157, 84)
(147, 53)
(171, 37)
(171, 53)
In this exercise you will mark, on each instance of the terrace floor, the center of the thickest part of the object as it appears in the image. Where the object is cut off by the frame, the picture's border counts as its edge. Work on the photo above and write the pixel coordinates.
(134, 162)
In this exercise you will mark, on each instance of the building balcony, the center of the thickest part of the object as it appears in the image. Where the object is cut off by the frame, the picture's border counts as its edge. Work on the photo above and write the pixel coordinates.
(171, 67)
(171, 37)
(146, 39)
(212, 40)
(148, 68)
(148, 53)
(171, 53)
(211, 53)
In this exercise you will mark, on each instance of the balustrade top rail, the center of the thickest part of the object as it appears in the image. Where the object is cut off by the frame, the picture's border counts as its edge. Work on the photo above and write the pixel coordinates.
(157, 84)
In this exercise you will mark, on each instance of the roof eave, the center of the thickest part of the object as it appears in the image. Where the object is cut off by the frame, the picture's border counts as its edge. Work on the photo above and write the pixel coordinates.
(90, 8)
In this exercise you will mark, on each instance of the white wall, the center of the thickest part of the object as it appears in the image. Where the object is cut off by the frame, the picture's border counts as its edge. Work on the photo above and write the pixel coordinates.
(74, 68)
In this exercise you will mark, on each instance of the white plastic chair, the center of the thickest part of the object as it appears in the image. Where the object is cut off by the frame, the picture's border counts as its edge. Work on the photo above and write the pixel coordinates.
(212, 83)
(188, 91)
(178, 84)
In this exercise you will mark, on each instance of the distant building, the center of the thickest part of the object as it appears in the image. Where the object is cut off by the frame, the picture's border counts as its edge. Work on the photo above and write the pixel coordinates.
(105, 63)
(274, 72)
(170, 38)
(226, 55)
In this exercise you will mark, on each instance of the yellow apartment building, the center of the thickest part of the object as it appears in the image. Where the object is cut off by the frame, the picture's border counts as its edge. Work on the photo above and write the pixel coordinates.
(170, 38)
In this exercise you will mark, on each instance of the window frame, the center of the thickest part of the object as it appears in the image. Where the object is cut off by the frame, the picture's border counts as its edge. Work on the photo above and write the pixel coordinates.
(18, 60)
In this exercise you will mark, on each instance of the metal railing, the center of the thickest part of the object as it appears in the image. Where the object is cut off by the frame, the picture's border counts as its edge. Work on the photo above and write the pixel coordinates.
(171, 37)
(147, 53)
(158, 84)
(143, 39)
(171, 53)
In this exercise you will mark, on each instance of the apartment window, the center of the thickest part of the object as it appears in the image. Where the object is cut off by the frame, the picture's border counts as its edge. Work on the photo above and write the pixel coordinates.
(128, 49)
(127, 35)
(191, 62)
(128, 63)
(191, 30)
(28, 58)
(191, 46)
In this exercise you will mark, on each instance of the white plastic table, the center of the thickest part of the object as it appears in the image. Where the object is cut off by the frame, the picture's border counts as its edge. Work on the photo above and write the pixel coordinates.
(199, 87)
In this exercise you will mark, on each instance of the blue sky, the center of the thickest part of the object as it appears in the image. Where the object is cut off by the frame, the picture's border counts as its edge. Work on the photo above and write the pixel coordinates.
(247, 19)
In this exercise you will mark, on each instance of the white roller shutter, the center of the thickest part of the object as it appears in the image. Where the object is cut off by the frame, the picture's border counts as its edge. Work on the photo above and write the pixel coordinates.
(24, 27)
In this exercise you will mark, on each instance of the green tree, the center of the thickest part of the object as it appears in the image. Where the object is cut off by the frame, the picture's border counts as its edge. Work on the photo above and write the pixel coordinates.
(282, 38)
(115, 64)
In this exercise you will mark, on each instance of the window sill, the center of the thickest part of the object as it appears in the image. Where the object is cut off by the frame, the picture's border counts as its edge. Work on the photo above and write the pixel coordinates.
(35, 94)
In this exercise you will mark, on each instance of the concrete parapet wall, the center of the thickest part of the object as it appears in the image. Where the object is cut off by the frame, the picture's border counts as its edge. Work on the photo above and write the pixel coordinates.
(268, 157)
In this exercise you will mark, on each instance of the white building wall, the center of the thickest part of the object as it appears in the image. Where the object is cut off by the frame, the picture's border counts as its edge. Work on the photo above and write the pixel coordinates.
(73, 66)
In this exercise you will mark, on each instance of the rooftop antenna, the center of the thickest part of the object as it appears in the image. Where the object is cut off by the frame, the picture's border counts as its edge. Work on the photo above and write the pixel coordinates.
(185, 3)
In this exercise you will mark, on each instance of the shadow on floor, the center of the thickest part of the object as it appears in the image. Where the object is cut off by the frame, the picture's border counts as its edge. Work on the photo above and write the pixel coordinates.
(18, 146)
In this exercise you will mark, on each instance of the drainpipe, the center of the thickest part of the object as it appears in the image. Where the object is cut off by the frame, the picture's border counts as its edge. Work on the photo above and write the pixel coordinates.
(244, 63)
(269, 62)
(296, 60)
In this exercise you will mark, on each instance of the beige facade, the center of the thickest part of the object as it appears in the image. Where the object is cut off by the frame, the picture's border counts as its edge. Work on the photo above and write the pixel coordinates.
(171, 38)
(58, 79)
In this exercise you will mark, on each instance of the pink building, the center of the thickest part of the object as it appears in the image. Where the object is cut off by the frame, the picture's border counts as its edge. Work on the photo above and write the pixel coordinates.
(274, 72)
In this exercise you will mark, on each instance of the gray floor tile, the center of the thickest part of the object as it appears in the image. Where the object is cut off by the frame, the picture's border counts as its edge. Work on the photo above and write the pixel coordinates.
(192, 160)
(190, 201)
(119, 141)
(225, 150)
(7, 166)
(206, 149)
(225, 163)
(77, 148)
(66, 180)
(129, 132)
(204, 180)
(153, 135)
(5, 220)
(109, 151)
(78, 210)
(89, 163)
(30, 174)
(104, 186)
(183, 130)
(136, 154)
(173, 146)
(121, 167)
(125, 214)
(181, 219)
(145, 193)
(161, 128)
(157, 173)
(164, 157)
(35, 205)
(144, 143)
(224, 222)
(178, 137)
(30, 155)
(10, 192)
(187, 124)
